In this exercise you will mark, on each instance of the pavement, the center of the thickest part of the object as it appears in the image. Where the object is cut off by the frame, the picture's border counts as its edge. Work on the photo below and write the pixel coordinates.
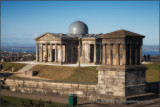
(26, 68)
(49, 63)
(83, 101)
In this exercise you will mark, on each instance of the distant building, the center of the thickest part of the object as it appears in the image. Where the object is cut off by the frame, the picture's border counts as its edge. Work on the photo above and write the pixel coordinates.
(79, 46)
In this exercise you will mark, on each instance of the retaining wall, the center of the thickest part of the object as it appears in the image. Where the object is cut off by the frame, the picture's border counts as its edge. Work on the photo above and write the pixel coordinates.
(49, 87)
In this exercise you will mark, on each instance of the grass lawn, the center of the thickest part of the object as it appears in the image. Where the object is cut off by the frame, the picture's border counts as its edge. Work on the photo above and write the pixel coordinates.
(7, 101)
(6, 66)
(68, 74)
(77, 74)
(153, 73)
(85, 74)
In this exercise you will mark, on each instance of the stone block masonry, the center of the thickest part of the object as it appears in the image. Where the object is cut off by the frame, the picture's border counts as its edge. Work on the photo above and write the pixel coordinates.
(41, 86)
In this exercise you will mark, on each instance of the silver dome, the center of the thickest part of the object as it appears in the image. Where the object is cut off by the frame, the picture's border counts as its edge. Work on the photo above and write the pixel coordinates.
(78, 27)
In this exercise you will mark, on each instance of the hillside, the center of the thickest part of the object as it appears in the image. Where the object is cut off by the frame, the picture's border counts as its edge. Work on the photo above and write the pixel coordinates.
(68, 74)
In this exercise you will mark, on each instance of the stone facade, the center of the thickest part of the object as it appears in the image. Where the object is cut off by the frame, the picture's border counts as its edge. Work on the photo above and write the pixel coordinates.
(121, 76)
(54, 49)
(89, 48)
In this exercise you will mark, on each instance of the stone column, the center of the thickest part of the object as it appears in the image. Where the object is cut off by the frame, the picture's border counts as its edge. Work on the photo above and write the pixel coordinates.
(104, 54)
(72, 53)
(100, 47)
(41, 52)
(51, 59)
(46, 52)
(55, 52)
(117, 54)
(89, 48)
(110, 54)
(136, 55)
(61, 52)
(66, 53)
(124, 54)
(140, 55)
(78, 56)
(37, 52)
(130, 56)
(95, 56)
(83, 52)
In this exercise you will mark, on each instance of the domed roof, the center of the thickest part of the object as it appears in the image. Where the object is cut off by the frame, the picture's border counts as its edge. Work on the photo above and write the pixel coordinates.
(78, 27)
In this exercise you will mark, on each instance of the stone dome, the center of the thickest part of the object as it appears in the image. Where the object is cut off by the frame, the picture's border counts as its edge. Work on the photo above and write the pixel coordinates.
(78, 27)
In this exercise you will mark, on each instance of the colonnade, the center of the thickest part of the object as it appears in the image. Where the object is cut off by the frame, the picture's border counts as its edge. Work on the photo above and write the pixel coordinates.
(89, 50)
(110, 54)
(48, 52)
(121, 54)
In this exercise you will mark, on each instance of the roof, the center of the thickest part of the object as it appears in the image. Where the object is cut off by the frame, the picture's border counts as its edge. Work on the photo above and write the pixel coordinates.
(78, 27)
(61, 35)
(121, 33)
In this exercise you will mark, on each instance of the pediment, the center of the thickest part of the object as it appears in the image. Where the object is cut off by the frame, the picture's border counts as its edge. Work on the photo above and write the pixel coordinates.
(47, 37)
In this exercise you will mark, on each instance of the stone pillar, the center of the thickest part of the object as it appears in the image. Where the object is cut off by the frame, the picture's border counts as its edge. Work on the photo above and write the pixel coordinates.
(41, 52)
(78, 56)
(83, 52)
(117, 54)
(100, 47)
(136, 55)
(55, 52)
(133, 54)
(110, 54)
(51, 53)
(46, 52)
(124, 54)
(140, 59)
(104, 54)
(89, 48)
(72, 54)
(66, 55)
(95, 55)
(61, 48)
(37, 52)
(130, 56)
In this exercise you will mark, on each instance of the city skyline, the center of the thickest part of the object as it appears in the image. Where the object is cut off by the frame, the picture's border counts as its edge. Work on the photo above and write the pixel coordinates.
(22, 21)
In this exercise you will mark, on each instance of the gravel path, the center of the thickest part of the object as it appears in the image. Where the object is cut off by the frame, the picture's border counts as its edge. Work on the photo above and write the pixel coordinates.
(49, 63)
(81, 101)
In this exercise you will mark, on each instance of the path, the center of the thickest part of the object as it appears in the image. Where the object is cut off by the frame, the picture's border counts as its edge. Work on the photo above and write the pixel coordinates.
(81, 101)
(26, 68)
(49, 63)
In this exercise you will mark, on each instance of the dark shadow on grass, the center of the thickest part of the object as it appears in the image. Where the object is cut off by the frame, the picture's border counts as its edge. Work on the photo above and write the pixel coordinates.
(6, 74)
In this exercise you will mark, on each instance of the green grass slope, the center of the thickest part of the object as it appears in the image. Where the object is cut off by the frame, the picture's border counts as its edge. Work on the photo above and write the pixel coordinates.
(153, 73)
(6, 66)
(68, 74)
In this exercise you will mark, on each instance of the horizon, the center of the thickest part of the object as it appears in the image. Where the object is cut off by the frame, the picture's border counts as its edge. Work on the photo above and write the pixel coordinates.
(22, 21)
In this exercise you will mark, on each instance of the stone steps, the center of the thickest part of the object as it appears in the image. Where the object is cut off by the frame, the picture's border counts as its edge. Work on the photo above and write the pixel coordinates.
(140, 97)
(26, 68)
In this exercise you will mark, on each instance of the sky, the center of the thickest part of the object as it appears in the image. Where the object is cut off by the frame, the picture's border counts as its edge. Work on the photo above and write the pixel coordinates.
(22, 21)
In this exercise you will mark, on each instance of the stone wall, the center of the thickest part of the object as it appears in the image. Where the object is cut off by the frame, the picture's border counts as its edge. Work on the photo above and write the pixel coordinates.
(123, 81)
(135, 82)
(111, 83)
(153, 87)
(61, 88)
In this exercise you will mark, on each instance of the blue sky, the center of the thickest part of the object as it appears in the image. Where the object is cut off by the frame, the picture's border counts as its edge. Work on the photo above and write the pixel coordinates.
(22, 21)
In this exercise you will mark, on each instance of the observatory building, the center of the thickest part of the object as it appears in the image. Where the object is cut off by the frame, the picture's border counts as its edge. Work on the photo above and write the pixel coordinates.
(121, 76)
(116, 48)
